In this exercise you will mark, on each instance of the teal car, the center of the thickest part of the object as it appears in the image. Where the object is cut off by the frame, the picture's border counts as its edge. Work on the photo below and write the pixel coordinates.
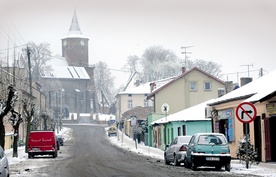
(208, 149)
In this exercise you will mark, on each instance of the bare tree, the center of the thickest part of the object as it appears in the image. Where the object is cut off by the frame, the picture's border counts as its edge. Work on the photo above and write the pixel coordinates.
(158, 63)
(40, 55)
(5, 107)
(208, 66)
(104, 82)
(28, 110)
(15, 121)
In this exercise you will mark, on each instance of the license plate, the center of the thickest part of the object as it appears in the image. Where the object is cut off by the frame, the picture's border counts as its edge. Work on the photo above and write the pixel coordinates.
(212, 158)
(35, 149)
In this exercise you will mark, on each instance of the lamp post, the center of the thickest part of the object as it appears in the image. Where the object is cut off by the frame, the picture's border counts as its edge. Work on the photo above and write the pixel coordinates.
(61, 108)
(78, 110)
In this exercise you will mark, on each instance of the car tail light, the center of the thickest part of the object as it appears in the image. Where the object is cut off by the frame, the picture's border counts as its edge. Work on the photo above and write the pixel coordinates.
(183, 148)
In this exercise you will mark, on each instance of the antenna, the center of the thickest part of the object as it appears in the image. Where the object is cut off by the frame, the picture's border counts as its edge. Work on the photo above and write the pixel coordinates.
(247, 67)
(185, 52)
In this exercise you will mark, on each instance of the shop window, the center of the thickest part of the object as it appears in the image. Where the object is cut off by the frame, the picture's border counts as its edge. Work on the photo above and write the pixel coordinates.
(225, 124)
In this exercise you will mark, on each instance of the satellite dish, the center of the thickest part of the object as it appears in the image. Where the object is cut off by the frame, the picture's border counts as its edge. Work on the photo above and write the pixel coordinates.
(165, 108)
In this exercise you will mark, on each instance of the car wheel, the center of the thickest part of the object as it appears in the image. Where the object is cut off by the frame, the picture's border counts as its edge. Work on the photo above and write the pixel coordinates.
(176, 163)
(194, 166)
(218, 167)
(55, 155)
(185, 163)
(165, 159)
(227, 167)
(29, 155)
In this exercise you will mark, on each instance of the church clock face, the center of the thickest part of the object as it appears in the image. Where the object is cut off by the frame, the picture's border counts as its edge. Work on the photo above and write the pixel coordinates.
(82, 42)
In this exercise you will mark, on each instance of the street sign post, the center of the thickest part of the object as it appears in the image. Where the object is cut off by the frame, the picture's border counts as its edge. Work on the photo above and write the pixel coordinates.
(246, 112)
(165, 109)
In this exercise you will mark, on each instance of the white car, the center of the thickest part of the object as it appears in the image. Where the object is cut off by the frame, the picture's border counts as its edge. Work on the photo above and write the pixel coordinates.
(176, 151)
(4, 164)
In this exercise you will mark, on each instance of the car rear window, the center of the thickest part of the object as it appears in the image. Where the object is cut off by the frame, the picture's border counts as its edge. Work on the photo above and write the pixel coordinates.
(211, 139)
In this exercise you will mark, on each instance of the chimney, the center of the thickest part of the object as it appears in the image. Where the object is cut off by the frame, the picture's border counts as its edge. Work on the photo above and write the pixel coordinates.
(245, 80)
(183, 69)
(152, 86)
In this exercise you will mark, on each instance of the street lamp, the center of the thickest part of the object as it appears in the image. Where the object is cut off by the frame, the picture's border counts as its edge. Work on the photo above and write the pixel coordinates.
(78, 111)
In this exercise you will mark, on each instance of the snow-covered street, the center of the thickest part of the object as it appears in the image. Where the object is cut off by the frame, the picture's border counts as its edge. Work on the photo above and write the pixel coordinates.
(263, 169)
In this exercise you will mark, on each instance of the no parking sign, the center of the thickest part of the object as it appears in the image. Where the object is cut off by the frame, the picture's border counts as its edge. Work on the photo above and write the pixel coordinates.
(246, 112)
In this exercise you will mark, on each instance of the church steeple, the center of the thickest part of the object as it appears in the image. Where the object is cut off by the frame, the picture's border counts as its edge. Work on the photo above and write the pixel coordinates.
(75, 45)
(74, 28)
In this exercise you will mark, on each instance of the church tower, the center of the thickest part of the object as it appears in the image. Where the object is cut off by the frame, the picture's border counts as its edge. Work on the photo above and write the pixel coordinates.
(75, 45)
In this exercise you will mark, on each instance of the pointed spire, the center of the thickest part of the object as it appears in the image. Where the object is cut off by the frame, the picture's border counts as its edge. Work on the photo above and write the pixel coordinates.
(74, 31)
(74, 28)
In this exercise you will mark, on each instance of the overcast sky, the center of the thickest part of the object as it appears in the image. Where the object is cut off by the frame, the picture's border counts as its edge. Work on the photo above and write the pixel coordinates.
(230, 33)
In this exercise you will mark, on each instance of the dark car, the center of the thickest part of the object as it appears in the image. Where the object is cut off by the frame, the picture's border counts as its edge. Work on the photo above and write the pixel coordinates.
(208, 149)
(176, 151)
(60, 140)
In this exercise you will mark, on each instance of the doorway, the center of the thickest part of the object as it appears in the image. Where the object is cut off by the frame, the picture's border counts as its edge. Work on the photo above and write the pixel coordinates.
(258, 137)
(272, 123)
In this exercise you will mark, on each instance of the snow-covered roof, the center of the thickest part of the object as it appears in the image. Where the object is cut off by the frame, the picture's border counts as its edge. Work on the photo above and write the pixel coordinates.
(57, 61)
(66, 72)
(252, 92)
(145, 88)
(194, 113)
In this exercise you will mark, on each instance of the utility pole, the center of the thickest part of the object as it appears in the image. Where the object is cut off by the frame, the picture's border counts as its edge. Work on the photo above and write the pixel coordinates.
(30, 73)
(247, 67)
(261, 72)
(185, 52)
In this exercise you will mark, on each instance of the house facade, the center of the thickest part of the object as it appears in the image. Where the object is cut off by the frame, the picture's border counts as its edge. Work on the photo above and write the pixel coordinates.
(262, 94)
(186, 122)
(190, 88)
(134, 117)
(136, 96)
(130, 98)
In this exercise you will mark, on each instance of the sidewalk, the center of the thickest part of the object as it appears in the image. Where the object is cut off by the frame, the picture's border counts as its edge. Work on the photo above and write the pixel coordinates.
(262, 169)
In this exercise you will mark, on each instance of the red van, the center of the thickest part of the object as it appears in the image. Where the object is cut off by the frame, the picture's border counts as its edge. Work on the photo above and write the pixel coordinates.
(42, 143)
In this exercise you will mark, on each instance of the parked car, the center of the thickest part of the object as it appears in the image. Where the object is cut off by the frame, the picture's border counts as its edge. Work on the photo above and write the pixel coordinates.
(60, 140)
(176, 151)
(4, 164)
(42, 143)
(112, 131)
(208, 149)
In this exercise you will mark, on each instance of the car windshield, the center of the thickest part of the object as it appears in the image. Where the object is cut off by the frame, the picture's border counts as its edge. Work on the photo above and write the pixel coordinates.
(184, 139)
(211, 139)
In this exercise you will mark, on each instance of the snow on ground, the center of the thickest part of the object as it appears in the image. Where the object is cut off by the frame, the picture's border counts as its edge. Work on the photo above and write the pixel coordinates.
(262, 169)
(123, 141)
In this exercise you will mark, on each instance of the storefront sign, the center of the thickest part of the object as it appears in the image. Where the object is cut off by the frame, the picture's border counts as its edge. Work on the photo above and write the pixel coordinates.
(271, 109)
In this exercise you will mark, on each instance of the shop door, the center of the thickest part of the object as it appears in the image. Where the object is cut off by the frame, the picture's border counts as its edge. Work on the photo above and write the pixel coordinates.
(258, 137)
(267, 140)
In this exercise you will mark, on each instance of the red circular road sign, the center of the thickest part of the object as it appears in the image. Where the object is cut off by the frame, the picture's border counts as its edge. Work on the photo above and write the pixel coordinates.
(246, 112)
